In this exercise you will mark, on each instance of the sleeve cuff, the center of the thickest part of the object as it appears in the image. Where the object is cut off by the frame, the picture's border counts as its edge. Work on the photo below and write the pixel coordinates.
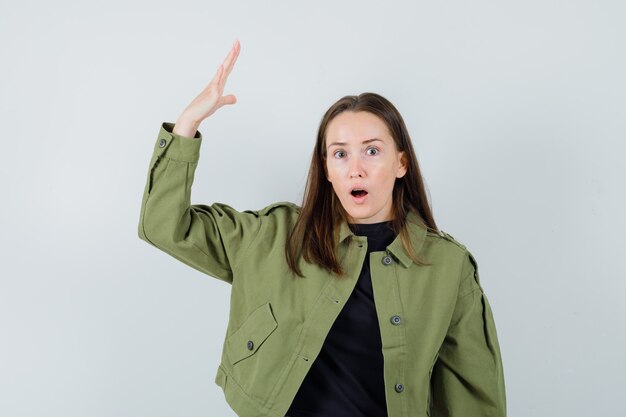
(173, 146)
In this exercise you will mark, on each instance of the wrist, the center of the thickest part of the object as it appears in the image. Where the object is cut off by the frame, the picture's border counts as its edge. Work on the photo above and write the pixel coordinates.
(185, 126)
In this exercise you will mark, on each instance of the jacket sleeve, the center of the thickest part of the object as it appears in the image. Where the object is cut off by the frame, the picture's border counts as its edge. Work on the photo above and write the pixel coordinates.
(468, 379)
(211, 238)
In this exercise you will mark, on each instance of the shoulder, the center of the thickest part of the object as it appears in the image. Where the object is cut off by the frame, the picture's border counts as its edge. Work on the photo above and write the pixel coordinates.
(457, 251)
(280, 208)
(446, 240)
(277, 216)
(282, 212)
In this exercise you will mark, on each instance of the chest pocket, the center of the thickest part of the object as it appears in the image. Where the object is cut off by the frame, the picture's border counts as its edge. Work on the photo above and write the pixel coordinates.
(246, 340)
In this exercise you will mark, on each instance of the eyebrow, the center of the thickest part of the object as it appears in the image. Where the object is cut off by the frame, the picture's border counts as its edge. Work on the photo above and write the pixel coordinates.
(364, 142)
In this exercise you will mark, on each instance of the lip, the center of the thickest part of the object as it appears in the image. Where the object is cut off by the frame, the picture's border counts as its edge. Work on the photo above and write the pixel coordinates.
(361, 199)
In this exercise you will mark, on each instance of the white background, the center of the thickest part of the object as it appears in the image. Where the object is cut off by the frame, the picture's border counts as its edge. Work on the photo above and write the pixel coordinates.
(517, 111)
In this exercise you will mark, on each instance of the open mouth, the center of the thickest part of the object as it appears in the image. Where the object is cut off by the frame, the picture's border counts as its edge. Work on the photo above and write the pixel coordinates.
(357, 192)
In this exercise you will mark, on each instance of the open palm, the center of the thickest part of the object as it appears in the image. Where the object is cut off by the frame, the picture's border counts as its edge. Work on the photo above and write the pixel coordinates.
(211, 98)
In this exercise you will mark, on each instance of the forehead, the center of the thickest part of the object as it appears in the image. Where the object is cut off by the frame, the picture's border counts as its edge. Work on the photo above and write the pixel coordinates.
(356, 127)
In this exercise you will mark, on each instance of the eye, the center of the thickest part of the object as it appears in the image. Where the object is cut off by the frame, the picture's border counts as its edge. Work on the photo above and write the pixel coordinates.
(372, 151)
(339, 154)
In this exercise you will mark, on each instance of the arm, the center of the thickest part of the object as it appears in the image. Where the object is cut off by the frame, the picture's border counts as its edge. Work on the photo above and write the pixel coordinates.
(468, 379)
(210, 239)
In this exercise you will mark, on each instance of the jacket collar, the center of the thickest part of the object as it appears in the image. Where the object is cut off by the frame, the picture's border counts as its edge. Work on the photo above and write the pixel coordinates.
(417, 233)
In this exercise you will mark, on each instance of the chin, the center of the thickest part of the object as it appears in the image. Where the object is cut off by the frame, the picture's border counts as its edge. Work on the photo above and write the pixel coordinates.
(361, 217)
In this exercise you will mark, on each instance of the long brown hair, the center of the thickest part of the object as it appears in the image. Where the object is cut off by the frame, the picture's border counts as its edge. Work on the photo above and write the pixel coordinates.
(321, 213)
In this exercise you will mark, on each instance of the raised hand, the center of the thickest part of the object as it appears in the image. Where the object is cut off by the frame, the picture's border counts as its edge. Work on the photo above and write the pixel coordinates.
(210, 99)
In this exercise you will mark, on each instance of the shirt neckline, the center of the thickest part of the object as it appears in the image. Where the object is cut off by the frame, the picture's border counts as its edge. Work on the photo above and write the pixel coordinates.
(367, 229)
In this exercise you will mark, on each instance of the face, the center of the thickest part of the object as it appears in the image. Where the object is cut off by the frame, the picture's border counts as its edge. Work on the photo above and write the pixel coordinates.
(362, 163)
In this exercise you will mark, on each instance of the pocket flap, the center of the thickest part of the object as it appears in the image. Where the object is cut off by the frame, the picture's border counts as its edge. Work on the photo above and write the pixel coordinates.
(220, 377)
(252, 333)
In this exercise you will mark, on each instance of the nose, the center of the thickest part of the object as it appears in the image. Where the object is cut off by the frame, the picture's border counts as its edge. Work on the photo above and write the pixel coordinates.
(356, 169)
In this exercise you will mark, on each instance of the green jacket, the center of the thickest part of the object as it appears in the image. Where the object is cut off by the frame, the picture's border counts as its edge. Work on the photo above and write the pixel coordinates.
(439, 342)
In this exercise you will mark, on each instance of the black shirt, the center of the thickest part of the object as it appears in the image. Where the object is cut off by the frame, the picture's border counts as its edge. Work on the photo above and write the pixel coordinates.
(347, 379)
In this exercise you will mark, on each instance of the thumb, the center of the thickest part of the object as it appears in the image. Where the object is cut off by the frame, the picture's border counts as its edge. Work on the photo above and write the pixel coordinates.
(229, 99)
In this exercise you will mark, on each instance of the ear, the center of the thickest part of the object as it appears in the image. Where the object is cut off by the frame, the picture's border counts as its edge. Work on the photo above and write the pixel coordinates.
(402, 165)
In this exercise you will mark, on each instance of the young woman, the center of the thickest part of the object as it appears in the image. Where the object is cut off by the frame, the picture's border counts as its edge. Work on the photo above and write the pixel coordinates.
(352, 304)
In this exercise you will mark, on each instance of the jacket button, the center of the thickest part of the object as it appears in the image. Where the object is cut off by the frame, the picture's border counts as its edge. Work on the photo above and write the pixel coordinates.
(387, 260)
(162, 143)
(250, 345)
(395, 320)
(399, 387)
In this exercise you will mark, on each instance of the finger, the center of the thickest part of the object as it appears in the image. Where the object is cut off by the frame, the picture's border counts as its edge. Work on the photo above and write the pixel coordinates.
(229, 63)
(229, 99)
(215, 81)
(227, 70)
(230, 59)
(237, 49)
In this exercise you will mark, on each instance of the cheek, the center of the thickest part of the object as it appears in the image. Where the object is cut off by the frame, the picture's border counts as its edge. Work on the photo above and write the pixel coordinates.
(385, 173)
(333, 172)
(394, 170)
(329, 173)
